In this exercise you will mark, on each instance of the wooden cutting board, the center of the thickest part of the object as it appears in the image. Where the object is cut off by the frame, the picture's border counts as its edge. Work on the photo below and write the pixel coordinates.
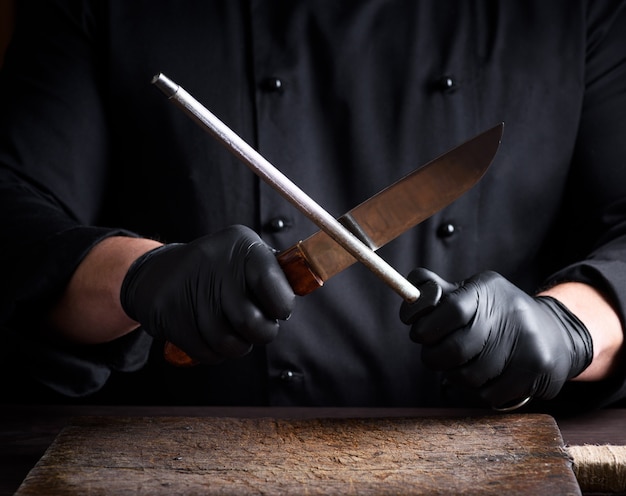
(495, 455)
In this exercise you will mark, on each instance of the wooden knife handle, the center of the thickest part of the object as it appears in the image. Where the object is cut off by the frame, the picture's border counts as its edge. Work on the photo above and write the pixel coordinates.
(300, 275)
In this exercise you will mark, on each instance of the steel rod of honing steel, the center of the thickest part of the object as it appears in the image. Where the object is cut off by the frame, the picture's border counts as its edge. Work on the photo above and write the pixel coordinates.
(290, 191)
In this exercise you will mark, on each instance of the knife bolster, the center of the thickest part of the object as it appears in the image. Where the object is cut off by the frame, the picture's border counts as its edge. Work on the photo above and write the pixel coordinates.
(299, 272)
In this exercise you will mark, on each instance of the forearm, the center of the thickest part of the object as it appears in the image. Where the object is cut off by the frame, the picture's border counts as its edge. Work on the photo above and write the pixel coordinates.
(90, 310)
(602, 322)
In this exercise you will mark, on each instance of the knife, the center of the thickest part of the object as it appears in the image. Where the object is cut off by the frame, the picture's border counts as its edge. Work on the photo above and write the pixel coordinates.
(392, 211)
(360, 232)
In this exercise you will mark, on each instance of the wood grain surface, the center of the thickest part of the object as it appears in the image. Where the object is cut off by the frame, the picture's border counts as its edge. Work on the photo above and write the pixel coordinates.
(493, 455)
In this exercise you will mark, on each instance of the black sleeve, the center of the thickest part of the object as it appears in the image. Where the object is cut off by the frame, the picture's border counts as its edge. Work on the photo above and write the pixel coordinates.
(53, 168)
(598, 179)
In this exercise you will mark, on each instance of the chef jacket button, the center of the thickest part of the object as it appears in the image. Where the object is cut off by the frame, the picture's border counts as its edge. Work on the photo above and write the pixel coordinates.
(446, 230)
(287, 376)
(447, 84)
(277, 224)
(272, 85)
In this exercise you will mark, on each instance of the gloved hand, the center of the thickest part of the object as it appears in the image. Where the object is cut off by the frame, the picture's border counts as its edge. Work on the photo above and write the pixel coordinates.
(489, 335)
(214, 298)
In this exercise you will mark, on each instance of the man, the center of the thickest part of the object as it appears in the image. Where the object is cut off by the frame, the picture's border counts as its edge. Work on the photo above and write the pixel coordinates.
(123, 222)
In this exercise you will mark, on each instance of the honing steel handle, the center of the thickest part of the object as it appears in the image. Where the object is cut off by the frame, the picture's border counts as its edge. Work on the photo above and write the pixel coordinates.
(300, 275)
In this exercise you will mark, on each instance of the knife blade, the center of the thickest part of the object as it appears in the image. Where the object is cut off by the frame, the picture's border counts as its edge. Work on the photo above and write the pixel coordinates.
(360, 232)
(392, 211)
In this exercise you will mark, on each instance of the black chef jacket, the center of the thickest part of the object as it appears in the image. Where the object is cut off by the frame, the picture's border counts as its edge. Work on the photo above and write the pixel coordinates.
(343, 97)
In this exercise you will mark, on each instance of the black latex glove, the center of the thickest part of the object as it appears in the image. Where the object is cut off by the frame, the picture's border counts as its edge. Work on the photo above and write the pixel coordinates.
(489, 335)
(214, 298)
